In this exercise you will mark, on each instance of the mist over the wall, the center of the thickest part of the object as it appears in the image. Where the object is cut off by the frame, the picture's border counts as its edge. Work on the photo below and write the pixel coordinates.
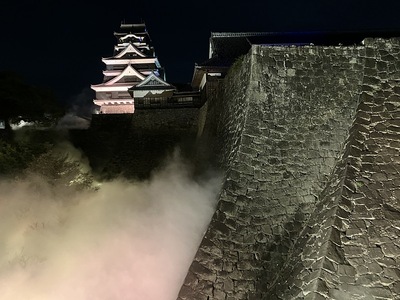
(120, 240)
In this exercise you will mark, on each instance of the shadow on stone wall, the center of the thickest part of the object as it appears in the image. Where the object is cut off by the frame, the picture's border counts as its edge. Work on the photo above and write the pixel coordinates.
(134, 146)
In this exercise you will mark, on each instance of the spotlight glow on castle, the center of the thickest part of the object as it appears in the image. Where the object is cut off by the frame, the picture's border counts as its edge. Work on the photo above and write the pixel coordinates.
(132, 73)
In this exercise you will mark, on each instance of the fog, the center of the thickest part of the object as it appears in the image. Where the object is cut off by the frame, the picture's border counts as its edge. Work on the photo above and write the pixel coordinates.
(118, 240)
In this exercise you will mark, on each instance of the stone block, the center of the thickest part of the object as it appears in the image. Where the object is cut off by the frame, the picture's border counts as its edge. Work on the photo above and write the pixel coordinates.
(221, 228)
(395, 288)
(374, 268)
(219, 295)
(186, 293)
(346, 270)
(335, 253)
(381, 292)
(390, 250)
(227, 207)
(367, 280)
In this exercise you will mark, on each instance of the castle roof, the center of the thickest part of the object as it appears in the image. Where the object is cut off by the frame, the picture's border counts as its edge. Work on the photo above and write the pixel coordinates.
(130, 49)
(129, 71)
(153, 82)
(133, 61)
(135, 29)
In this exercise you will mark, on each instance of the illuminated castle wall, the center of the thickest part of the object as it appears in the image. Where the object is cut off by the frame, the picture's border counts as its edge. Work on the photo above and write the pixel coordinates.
(309, 138)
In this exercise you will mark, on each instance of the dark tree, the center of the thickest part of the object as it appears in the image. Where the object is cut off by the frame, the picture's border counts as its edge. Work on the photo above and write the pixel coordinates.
(20, 100)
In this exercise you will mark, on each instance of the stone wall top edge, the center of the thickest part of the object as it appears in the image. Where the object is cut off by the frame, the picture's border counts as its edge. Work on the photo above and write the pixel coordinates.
(372, 41)
(365, 42)
(256, 48)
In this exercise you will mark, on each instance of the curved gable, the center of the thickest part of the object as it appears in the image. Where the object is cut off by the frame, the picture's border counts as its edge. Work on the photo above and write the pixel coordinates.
(153, 80)
(140, 38)
(128, 71)
(130, 49)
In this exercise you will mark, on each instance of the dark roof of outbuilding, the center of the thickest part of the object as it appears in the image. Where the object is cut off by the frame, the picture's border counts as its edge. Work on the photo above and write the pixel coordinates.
(182, 87)
(218, 60)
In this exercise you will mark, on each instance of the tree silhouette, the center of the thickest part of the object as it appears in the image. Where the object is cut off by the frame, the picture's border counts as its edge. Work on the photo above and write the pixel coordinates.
(20, 100)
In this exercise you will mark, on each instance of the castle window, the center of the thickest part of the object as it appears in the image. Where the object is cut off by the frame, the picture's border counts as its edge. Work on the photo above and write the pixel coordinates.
(153, 82)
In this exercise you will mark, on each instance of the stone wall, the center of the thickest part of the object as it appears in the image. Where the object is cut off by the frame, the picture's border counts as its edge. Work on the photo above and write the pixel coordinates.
(281, 135)
(222, 118)
(350, 248)
(134, 145)
(176, 119)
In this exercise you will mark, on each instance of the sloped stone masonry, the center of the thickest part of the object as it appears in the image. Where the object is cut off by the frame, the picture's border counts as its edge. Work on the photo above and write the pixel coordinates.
(350, 248)
(295, 110)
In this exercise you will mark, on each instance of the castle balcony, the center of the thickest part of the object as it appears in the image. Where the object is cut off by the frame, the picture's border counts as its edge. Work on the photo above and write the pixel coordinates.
(178, 100)
(114, 101)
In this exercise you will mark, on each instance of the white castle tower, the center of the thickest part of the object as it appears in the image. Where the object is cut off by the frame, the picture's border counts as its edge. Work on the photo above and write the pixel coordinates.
(133, 64)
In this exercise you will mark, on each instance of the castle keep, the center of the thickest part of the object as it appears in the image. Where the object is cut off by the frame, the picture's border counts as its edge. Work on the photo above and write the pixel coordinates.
(134, 78)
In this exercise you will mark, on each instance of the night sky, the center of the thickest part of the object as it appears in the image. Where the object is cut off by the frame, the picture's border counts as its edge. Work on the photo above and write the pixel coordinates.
(59, 44)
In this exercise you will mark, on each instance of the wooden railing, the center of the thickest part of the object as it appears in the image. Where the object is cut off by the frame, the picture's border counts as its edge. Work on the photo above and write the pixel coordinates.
(169, 102)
